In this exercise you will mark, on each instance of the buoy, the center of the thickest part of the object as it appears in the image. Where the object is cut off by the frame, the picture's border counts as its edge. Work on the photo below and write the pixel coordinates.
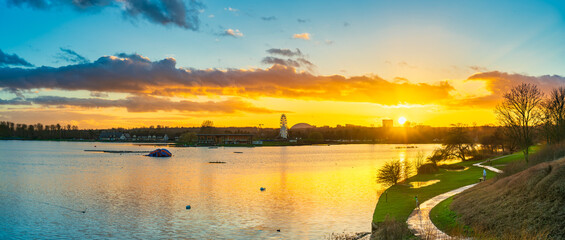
(262, 189)
(187, 207)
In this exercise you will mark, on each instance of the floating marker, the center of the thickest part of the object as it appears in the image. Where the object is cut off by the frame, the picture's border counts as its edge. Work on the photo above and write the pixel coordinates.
(188, 207)
(262, 189)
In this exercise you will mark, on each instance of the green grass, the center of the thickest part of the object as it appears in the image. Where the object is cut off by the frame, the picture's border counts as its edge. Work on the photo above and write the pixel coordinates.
(513, 157)
(445, 219)
(398, 201)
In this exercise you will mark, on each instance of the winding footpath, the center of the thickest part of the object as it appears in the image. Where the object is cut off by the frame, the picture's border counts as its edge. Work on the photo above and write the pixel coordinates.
(419, 221)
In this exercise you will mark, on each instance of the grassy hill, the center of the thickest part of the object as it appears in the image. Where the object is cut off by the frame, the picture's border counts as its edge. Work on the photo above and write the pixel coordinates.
(530, 203)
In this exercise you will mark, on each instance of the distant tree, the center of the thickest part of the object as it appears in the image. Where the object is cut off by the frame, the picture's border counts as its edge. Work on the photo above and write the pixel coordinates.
(520, 112)
(390, 173)
(207, 123)
(207, 127)
(188, 137)
(554, 116)
(458, 143)
(315, 137)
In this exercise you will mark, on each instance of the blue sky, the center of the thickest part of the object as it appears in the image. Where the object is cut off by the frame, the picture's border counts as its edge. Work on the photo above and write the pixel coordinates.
(416, 41)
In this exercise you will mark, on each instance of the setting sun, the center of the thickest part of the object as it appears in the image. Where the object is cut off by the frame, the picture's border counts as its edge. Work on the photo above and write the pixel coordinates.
(401, 120)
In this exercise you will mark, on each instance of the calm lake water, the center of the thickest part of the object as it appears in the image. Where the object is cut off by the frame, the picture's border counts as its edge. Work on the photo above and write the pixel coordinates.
(311, 191)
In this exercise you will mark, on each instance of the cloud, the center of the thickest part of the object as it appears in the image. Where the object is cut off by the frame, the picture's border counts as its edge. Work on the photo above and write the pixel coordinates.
(15, 101)
(234, 33)
(478, 69)
(302, 20)
(285, 52)
(404, 64)
(142, 104)
(135, 74)
(231, 9)
(14, 60)
(346, 24)
(498, 83)
(164, 12)
(270, 18)
(305, 36)
(71, 56)
(296, 58)
(99, 94)
(329, 42)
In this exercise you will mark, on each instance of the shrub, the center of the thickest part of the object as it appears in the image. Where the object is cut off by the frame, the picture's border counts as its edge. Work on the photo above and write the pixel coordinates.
(427, 168)
(391, 229)
(390, 173)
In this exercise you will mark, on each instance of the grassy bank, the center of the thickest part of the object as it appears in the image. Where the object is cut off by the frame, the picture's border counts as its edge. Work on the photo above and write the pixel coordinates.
(398, 201)
(525, 205)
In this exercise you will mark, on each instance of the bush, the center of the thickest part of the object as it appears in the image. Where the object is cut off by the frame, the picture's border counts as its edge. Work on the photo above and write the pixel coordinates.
(390, 173)
(428, 168)
(391, 229)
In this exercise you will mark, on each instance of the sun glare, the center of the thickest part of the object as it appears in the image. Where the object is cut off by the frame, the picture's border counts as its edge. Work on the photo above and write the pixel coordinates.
(401, 120)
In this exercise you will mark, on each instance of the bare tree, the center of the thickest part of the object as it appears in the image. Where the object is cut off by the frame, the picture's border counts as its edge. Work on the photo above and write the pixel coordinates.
(554, 115)
(520, 112)
(390, 173)
(458, 143)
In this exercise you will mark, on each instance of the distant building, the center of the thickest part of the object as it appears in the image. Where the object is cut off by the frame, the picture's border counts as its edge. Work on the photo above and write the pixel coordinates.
(388, 123)
(301, 126)
(406, 124)
(110, 136)
(224, 139)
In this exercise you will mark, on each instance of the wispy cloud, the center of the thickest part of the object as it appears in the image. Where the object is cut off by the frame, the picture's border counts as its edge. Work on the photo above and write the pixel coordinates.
(12, 59)
(478, 68)
(71, 56)
(305, 36)
(270, 18)
(143, 104)
(234, 33)
(302, 20)
(231, 9)
(165, 12)
(284, 52)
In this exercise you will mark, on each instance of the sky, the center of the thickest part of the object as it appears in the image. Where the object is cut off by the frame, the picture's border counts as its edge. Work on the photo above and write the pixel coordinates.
(134, 63)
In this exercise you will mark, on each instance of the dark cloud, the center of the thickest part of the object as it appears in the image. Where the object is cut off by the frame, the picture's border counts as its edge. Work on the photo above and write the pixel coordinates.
(285, 62)
(138, 75)
(71, 56)
(271, 18)
(15, 101)
(13, 59)
(165, 12)
(285, 52)
(346, 24)
(142, 104)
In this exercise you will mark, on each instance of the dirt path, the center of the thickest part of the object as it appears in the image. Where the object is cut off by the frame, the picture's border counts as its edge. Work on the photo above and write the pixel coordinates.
(419, 221)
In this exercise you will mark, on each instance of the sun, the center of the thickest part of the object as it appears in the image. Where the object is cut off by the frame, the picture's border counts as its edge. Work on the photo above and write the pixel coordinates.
(401, 120)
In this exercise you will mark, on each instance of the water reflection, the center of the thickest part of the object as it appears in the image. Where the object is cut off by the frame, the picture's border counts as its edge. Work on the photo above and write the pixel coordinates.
(311, 191)
(423, 184)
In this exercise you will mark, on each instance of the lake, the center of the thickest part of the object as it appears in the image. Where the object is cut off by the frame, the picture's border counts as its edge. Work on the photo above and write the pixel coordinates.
(310, 191)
